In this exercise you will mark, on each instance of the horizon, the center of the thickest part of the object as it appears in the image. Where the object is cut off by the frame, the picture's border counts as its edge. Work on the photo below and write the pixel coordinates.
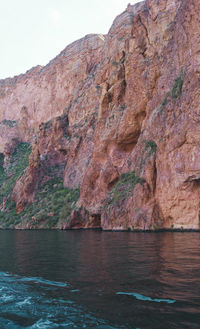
(35, 39)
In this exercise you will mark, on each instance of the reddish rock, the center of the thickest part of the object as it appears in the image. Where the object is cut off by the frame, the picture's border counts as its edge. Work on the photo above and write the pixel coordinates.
(80, 218)
(124, 102)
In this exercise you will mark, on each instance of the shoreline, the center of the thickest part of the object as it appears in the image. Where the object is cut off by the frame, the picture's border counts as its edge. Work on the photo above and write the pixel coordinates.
(163, 230)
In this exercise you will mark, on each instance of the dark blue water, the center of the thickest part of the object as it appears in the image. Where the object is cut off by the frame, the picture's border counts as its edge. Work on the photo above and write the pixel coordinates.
(93, 279)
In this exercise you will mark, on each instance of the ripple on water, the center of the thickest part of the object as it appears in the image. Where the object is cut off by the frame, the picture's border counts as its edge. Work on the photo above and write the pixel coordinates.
(146, 298)
(44, 281)
(33, 307)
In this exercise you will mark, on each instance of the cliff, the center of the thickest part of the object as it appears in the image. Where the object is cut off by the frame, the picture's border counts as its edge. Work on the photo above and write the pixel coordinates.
(107, 134)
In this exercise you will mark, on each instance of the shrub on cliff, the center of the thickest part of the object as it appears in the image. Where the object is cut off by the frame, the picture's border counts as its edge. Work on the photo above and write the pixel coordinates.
(18, 162)
(124, 187)
(53, 204)
(151, 146)
(178, 84)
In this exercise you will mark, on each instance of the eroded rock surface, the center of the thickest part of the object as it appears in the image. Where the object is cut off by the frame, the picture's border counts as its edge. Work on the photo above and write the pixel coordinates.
(117, 115)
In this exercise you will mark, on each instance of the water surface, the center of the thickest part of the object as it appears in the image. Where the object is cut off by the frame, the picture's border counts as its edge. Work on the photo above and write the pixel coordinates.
(94, 279)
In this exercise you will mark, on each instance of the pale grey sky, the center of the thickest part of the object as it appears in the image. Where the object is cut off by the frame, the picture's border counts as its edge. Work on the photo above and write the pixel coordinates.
(32, 32)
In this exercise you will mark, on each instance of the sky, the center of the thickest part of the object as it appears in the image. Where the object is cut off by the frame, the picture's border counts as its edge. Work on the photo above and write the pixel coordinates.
(32, 32)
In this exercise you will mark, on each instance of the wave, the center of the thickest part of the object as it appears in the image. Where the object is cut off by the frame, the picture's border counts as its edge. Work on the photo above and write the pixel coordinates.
(44, 281)
(146, 298)
(26, 302)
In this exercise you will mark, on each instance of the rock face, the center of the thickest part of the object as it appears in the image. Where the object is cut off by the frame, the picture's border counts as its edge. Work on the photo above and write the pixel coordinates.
(117, 115)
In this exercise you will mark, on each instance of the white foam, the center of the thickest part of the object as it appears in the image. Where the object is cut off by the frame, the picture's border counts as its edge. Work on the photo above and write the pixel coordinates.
(25, 302)
(6, 298)
(46, 324)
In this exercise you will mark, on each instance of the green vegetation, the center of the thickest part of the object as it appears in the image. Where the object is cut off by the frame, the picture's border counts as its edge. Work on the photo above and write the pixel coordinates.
(9, 123)
(151, 146)
(114, 63)
(175, 92)
(155, 226)
(53, 204)
(178, 84)
(18, 163)
(124, 187)
(47, 124)
(8, 178)
(165, 100)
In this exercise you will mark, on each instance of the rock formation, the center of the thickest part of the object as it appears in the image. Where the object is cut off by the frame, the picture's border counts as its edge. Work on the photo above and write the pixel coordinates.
(116, 115)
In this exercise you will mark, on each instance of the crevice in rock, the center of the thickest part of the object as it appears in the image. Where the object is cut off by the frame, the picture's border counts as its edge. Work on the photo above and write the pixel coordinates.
(96, 220)
(113, 183)
(192, 182)
(106, 100)
(155, 177)
(128, 147)
(199, 219)
(146, 32)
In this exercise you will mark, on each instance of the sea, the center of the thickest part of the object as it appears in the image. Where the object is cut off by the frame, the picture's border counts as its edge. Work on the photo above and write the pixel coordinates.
(96, 279)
